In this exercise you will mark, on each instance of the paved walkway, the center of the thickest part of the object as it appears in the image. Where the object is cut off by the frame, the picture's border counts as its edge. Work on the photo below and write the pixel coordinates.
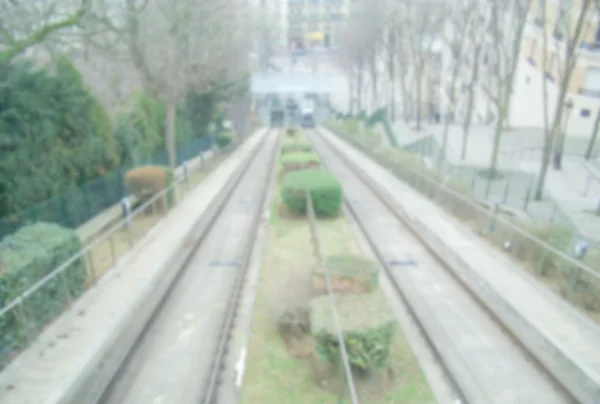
(569, 197)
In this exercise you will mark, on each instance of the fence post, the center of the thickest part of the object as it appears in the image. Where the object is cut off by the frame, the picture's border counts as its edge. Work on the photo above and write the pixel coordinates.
(507, 189)
(527, 198)
(186, 175)
(126, 206)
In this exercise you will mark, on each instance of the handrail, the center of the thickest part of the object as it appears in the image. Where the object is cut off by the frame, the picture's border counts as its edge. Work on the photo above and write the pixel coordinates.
(310, 211)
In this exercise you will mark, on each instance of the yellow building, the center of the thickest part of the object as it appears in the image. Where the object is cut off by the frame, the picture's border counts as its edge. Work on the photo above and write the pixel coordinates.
(584, 85)
(316, 22)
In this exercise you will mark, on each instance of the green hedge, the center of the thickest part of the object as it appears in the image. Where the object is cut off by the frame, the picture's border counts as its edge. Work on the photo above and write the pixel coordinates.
(324, 188)
(295, 148)
(368, 327)
(348, 273)
(26, 257)
(224, 140)
(299, 158)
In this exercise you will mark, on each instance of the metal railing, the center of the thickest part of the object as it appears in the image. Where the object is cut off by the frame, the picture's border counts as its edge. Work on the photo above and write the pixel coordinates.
(550, 254)
(345, 369)
(130, 230)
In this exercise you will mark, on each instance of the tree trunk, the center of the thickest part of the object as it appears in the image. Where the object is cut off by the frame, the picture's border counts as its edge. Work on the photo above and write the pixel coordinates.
(170, 135)
(418, 100)
(392, 100)
(392, 85)
(590, 147)
(351, 89)
(539, 189)
(135, 48)
(569, 65)
(360, 90)
(403, 93)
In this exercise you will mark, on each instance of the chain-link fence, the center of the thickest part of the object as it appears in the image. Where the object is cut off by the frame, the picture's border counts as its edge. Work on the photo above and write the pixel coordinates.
(77, 206)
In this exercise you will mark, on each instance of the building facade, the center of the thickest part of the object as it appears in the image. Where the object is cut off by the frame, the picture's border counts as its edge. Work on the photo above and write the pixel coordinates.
(527, 101)
(583, 88)
(316, 22)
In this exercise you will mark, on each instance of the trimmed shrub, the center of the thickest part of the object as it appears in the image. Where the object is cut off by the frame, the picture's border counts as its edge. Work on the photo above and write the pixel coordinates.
(26, 257)
(368, 327)
(146, 181)
(348, 274)
(224, 141)
(324, 188)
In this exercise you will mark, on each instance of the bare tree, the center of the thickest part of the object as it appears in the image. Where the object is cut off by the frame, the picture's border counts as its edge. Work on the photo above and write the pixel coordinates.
(198, 42)
(567, 35)
(423, 20)
(476, 32)
(176, 47)
(460, 18)
(353, 59)
(390, 49)
(25, 24)
(361, 49)
(507, 24)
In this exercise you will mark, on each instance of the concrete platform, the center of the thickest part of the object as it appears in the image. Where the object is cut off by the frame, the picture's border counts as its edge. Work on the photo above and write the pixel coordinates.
(174, 361)
(74, 359)
(557, 335)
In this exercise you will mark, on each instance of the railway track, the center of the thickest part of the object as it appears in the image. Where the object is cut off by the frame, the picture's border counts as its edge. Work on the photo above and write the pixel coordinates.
(482, 362)
(179, 356)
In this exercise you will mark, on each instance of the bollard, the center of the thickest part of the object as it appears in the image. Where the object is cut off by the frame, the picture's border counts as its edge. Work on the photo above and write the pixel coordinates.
(126, 208)
(186, 175)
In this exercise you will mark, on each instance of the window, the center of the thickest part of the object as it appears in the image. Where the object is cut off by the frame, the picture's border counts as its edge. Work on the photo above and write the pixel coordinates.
(591, 86)
(585, 113)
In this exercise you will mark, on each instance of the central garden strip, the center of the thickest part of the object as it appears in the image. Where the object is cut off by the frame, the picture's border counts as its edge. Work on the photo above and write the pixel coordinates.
(293, 352)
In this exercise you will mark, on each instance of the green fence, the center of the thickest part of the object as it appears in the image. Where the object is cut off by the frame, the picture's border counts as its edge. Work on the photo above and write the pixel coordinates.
(77, 206)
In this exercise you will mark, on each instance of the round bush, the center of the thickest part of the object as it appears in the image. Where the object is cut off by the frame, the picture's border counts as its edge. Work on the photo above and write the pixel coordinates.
(324, 188)
(368, 329)
(223, 141)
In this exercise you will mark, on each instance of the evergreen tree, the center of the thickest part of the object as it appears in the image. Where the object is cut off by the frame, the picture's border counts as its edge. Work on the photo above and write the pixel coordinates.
(53, 134)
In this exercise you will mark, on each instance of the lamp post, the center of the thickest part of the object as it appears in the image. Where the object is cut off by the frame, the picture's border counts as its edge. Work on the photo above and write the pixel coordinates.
(560, 143)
